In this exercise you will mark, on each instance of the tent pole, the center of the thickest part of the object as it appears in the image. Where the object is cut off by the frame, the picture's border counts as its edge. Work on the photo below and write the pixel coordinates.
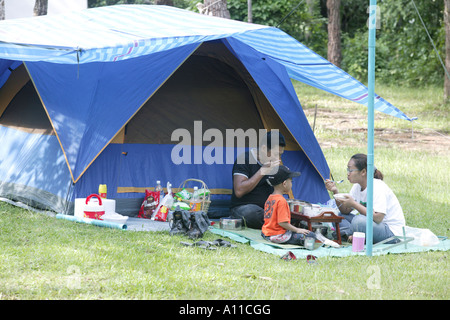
(370, 126)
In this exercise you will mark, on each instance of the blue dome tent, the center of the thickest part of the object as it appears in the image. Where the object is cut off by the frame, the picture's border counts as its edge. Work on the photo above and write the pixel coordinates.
(93, 97)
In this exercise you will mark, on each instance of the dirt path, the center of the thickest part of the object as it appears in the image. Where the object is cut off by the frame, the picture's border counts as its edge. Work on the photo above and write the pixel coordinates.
(342, 129)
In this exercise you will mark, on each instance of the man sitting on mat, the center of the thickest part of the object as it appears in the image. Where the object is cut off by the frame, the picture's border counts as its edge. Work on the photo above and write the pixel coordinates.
(250, 190)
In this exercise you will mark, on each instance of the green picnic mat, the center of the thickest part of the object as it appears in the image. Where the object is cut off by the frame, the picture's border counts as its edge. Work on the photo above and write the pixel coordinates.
(253, 237)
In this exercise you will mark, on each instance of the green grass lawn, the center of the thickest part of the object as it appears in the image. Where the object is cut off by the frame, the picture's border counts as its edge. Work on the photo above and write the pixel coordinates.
(47, 258)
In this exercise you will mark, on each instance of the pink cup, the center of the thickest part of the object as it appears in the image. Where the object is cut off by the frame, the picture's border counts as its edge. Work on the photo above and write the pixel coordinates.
(358, 241)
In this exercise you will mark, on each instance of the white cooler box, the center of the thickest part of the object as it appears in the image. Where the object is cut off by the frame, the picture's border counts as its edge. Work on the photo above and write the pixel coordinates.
(110, 210)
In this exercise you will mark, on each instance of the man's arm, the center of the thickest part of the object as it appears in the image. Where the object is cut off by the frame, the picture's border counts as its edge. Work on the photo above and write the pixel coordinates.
(243, 185)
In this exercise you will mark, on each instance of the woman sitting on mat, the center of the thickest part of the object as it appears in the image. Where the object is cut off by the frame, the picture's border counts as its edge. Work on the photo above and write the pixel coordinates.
(388, 214)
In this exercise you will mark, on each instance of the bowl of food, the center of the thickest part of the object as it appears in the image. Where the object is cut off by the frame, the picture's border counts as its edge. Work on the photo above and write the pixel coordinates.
(230, 224)
(341, 196)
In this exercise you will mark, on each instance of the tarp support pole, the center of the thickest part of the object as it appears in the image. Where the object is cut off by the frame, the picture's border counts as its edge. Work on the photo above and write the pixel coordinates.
(370, 126)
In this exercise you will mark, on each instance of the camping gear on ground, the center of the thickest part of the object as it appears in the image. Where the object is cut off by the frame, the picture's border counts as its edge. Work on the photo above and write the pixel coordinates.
(102, 190)
(180, 222)
(200, 200)
(192, 224)
(70, 82)
(80, 204)
(199, 224)
(95, 222)
(358, 241)
(230, 224)
(94, 209)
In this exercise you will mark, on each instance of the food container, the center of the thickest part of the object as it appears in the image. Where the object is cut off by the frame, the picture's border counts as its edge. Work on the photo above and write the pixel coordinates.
(309, 243)
(230, 224)
(312, 210)
(94, 209)
(297, 205)
(341, 196)
(80, 204)
(291, 204)
(358, 241)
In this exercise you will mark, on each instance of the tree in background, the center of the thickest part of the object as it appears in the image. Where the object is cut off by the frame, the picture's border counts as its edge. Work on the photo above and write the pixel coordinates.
(2, 9)
(217, 8)
(305, 23)
(40, 7)
(404, 55)
(164, 2)
(447, 50)
(334, 32)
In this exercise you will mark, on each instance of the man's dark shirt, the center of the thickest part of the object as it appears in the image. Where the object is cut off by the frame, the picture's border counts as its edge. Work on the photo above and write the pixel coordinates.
(246, 165)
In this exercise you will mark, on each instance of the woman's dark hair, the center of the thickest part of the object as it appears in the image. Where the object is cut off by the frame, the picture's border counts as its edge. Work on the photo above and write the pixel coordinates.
(360, 160)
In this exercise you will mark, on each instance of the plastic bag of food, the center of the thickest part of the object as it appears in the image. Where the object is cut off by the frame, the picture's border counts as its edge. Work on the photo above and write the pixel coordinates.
(161, 212)
(183, 194)
(150, 203)
(201, 193)
(422, 237)
(182, 205)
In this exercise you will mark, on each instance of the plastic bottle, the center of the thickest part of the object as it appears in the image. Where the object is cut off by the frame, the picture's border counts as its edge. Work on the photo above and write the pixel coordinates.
(102, 191)
(169, 188)
(194, 203)
(159, 189)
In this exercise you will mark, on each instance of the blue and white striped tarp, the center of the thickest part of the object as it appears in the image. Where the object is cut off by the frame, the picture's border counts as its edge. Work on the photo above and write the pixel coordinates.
(122, 32)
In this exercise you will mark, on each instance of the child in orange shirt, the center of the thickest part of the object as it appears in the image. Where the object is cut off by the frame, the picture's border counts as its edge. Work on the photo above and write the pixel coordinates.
(277, 215)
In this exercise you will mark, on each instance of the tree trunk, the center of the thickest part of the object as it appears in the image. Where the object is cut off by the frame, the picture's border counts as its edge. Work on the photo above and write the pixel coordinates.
(2, 9)
(217, 8)
(164, 2)
(334, 32)
(40, 7)
(447, 49)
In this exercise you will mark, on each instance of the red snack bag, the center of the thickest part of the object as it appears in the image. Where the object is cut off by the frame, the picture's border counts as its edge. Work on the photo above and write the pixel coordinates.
(150, 203)
(161, 215)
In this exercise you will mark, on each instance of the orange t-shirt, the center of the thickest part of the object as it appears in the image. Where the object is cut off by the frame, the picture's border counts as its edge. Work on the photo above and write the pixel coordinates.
(276, 210)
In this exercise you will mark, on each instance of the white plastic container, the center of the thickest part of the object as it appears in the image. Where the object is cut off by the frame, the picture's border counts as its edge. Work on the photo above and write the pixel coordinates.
(312, 211)
(80, 204)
